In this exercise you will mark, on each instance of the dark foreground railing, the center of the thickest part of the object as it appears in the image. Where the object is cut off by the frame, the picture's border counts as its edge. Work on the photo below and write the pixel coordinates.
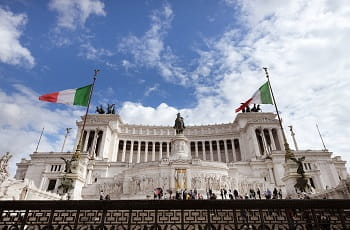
(174, 214)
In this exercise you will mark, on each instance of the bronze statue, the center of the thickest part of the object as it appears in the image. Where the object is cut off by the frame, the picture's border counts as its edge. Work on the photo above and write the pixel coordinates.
(179, 124)
(68, 168)
(110, 109)
(100, 110)
(299, 162)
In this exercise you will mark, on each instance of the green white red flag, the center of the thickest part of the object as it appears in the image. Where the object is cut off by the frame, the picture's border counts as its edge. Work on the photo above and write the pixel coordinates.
(261, 96)
(79, 96)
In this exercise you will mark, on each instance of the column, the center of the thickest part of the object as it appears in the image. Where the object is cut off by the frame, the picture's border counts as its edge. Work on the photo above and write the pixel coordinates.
(124, 149)
(280, 138)
(196, 148)
(256, 144)
(146, 151)
(131, 151)
(226, 153)
(218, 150)
(273, 146)
(138, 152)
(211, 151)
(271, 175)
(266, 149)
(86, 140)
(160, 150)
(233, 150)
(203, 147)
(153, 151)
(167, 149)
(115, 156)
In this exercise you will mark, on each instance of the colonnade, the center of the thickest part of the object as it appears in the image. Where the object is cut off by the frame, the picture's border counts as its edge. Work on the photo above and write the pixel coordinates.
(268, 139)
(138, 151)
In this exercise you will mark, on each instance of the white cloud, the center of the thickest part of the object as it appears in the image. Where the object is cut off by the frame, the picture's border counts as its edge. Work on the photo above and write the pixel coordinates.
(305, 46)
(150, 50)
(89, 52)
(11, 50)
(151, 89)
(72, 14)
(22, 118)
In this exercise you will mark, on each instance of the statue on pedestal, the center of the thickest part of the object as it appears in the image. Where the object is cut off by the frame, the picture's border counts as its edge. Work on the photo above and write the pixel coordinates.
(179, 124)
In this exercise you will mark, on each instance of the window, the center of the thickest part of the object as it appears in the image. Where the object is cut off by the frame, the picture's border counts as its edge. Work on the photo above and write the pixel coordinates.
(52, 185)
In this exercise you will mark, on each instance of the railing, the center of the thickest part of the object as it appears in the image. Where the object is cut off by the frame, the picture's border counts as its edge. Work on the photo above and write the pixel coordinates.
(176, 214)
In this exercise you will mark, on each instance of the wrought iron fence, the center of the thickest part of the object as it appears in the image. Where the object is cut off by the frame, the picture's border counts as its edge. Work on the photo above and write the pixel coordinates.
(176, 214)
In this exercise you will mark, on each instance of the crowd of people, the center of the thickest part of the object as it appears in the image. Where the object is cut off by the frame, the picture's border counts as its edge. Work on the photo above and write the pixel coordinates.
(225, 194)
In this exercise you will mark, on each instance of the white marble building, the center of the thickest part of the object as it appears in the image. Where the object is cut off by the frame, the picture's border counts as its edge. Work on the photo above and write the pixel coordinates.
(130, 161)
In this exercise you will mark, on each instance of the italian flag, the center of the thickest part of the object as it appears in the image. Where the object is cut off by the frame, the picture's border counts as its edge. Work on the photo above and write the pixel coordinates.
(261, 96)
(79, 96)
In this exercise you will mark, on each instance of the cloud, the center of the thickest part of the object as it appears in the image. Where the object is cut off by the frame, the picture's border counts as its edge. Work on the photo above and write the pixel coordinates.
(73, 14)
(11, 50)
(151, 89)
(91, 53)
(150, 50)
(22, 118)
(305, 46)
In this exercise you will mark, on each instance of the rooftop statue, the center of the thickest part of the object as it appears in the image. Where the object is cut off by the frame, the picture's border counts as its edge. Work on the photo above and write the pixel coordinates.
(179, 124)
(110, 109)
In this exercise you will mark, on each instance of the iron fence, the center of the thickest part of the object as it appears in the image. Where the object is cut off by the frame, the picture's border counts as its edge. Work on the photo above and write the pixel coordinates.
(176, 214)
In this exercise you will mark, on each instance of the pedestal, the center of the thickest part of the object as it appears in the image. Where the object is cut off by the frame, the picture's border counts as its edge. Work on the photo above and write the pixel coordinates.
(180, 148)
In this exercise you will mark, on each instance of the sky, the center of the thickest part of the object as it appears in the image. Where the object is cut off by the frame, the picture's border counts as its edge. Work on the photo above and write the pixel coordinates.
(201, 58)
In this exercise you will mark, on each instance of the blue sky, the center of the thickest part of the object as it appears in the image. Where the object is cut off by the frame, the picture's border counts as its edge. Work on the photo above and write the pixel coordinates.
(201, 58)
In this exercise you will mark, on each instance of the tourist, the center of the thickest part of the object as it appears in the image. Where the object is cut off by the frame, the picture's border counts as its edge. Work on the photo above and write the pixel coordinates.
(102, 195)
(230, 195)
(280, 193)
(259, 194)
(275, 193)
(268, 194)
(107, 197)
(235, 193)
(222, 194)
(225, 193)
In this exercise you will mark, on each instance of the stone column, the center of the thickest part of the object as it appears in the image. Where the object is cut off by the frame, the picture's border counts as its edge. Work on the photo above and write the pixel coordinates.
(218, 150)
(160, 150)
(86, 140)
(256, 144)
(233, 150)
(196, 148)
(153, 151)
(116, 149)
(124, 150)
(203, 149)
(211, 151)
(266, 149)
(138, 152)
(131, 151)
(146, 151)
(167, 149)
(226, 153)
(273, 145)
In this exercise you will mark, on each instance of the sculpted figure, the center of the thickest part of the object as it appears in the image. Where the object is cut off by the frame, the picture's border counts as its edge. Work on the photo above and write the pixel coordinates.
(68, 168)
(100, 110)
(4, 162)
(179, 124)
(299, 162)
(110, 109)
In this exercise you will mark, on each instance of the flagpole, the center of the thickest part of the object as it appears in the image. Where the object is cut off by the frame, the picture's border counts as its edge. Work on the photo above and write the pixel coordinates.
(37, 146)
(324, 146)
(289, 154)
(76, 155)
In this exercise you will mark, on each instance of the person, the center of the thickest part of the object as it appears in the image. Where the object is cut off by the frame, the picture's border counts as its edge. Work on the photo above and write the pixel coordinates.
(259, 194)
(222, 194)
(280, 193)
(107, 197)
(101, 195)
(235, 193)
(268, 194)
(275, 193)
